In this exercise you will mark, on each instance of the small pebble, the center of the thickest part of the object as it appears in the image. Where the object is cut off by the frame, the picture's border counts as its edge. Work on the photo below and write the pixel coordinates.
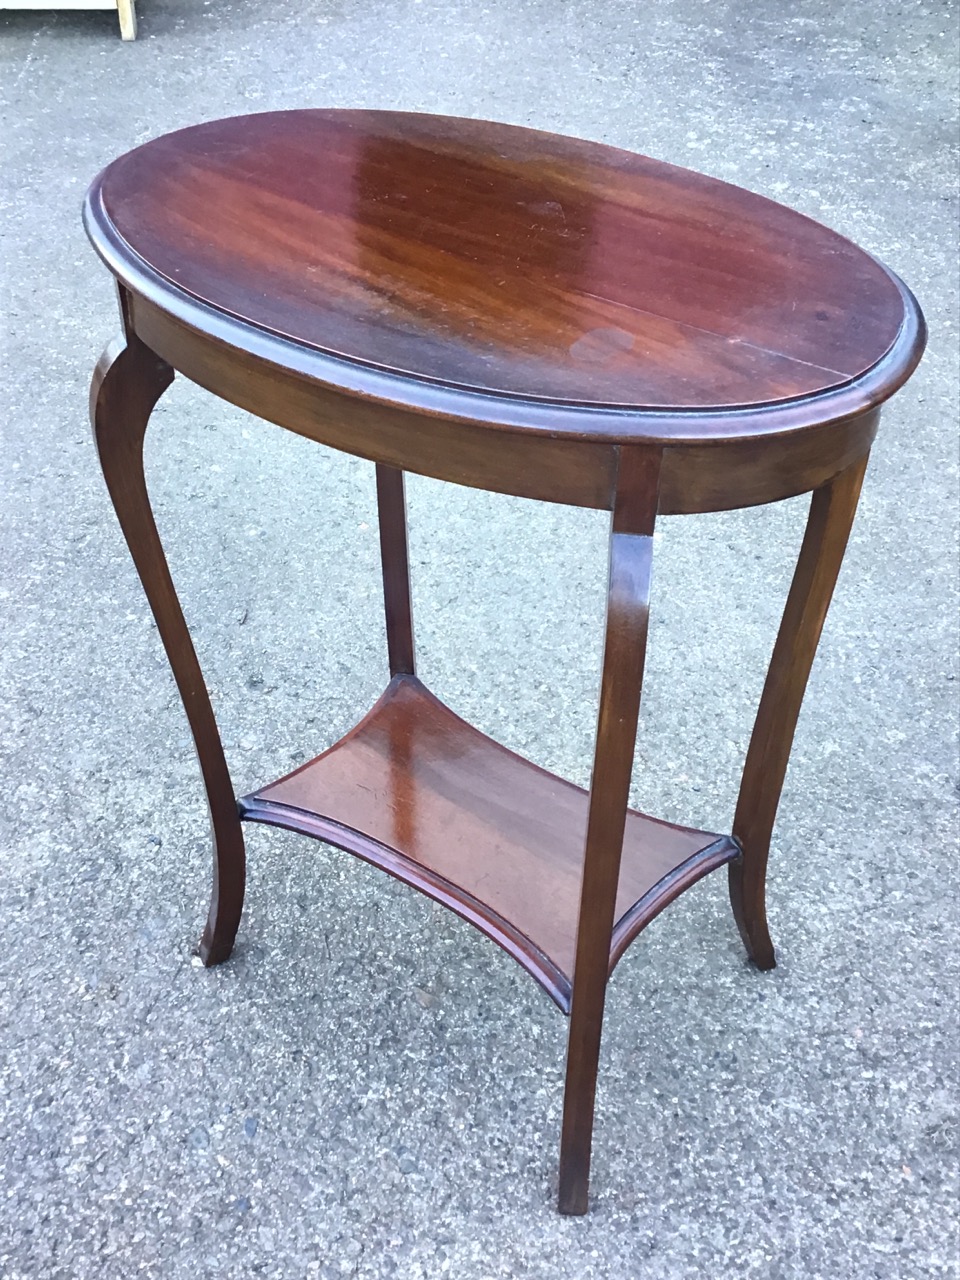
(199, 1140)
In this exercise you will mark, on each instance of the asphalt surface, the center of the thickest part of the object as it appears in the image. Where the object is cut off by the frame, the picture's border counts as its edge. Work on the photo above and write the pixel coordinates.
(370, 1089)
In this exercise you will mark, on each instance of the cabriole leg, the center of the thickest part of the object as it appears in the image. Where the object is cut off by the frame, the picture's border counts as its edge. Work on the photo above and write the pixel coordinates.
(631, 553)
(832, 509)
(127, 383)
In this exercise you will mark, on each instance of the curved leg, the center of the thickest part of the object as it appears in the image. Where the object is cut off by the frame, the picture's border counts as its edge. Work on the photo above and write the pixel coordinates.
(631, 553)
(832, 509)
(127, 383)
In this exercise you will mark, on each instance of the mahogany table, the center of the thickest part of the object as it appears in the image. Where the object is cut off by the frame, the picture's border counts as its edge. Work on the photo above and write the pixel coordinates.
(538, 316)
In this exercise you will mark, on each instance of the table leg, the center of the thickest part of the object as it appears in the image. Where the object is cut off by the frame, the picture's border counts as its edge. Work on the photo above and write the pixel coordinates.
(395, 563)
(128, 19)
(631, 553)
(127, 383)
(832, 509)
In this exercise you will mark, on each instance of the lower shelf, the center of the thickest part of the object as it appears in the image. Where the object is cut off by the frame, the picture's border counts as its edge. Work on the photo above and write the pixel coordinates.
(419, 792)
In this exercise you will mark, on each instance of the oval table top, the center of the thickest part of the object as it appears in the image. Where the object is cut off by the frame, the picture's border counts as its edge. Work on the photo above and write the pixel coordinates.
(439, 262)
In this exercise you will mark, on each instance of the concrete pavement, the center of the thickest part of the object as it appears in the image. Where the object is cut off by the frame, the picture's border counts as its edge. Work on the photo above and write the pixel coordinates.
(369, 1089)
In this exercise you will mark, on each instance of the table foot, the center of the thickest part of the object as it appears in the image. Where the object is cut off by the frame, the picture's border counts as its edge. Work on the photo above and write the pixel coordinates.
(747, 886)
(223, 918)
(127, 383)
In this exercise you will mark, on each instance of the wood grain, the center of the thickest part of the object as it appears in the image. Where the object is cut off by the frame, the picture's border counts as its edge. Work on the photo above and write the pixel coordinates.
(625, 645)
(419, 792)
(502, 259)
(127, 383)
(832, 509)
(395, 560)
(728, 471)
(535, 315)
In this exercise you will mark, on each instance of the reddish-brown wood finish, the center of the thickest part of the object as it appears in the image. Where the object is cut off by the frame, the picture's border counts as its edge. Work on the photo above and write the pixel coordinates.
(422, 794)
(394, 557)
(832, 509)
(496, 259)
(127, 383)
(532, 315)
(695, 477)
(628, 609)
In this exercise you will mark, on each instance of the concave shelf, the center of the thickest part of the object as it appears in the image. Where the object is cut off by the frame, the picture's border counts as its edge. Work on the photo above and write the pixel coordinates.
(430, 799)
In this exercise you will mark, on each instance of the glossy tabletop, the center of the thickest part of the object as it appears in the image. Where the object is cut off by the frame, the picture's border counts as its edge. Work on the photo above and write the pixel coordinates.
(499, 260)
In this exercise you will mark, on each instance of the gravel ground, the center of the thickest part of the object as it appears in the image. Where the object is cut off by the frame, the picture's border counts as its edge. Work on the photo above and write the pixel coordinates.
(370, 1089)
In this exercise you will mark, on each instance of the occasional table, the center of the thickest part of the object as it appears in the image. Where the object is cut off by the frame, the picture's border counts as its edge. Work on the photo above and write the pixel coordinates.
(534, 315)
